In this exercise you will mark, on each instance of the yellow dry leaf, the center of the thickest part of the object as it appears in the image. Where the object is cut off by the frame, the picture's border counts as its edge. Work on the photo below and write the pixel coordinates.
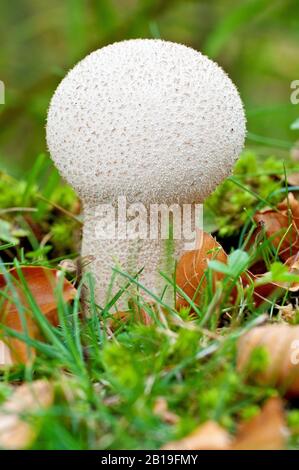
(16, 433)
(281, 341)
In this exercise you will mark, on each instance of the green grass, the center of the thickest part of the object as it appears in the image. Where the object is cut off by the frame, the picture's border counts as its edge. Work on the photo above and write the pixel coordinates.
(107, 382)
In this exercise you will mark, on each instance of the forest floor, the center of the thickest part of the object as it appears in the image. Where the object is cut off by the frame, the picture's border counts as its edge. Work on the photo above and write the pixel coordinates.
(217, 368)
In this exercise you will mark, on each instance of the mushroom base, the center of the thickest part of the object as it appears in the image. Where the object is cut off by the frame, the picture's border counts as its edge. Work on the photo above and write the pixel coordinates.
(115, 261)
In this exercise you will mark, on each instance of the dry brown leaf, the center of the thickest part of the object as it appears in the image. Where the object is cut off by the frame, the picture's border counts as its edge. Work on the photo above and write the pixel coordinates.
(192, 265)
(266, 431)
(76, 266)
(140, 315)
(287, 312)
(16, 433)
(161, 410)
(281, 225)
(293, 179)
(290, 204)
(281, 341)
(208, 436)
(42, 283)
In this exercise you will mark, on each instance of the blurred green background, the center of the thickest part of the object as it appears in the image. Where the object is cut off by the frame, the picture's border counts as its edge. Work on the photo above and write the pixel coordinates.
(255, 41)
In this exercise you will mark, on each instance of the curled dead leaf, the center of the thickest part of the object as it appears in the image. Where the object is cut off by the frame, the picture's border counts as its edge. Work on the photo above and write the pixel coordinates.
(294, 152)
(263, 293)
(75, 266)
(5, 355)
(281, 341)
(287, 312)
(192, 266)
(42, 283)
(15, 432)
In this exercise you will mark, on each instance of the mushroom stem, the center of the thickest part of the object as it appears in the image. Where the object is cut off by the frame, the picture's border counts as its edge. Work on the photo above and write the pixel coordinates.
(121, 247)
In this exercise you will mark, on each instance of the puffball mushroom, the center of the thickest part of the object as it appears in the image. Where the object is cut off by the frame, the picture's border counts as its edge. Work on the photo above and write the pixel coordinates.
(154, 122)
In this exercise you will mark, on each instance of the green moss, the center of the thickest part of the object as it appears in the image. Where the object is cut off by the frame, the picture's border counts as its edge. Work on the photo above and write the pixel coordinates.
(230, 205)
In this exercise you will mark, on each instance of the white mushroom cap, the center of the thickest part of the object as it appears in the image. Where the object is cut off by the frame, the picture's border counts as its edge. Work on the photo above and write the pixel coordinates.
(152, 120)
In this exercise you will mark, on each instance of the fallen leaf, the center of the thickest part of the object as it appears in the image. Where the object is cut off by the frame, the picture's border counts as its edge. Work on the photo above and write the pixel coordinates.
(42, 283)
(264, 292)
(281, 225)
(5, 356)
(281, 341)
(294, 153)
(117, 319)
(261, 293)
(15, 432)
(208, 436)
(193, 264)
(266, 431)
(293, 265)
(75, 266)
